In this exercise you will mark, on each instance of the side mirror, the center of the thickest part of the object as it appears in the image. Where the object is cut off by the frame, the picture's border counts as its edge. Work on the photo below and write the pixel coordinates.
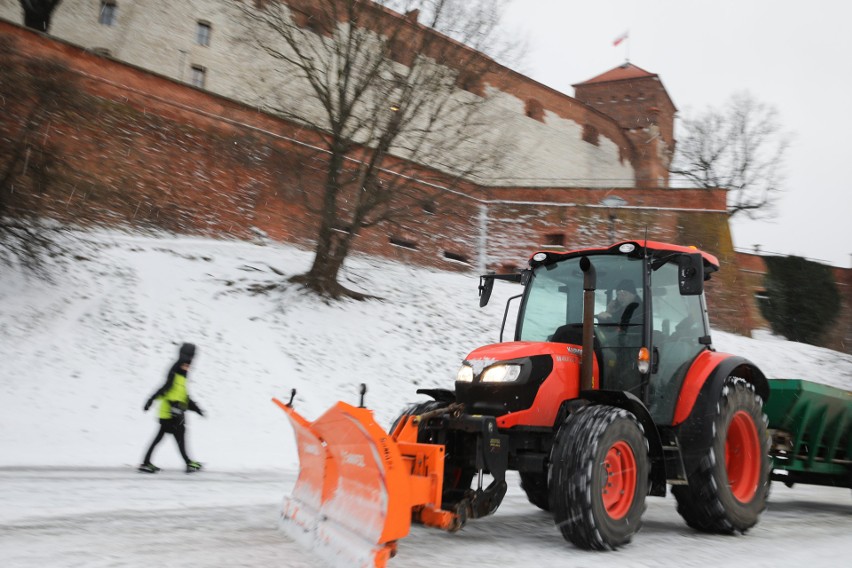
(486, 286)
(690, 275)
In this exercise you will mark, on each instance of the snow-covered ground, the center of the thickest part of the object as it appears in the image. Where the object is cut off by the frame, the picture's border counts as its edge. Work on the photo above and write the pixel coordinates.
(80, 357)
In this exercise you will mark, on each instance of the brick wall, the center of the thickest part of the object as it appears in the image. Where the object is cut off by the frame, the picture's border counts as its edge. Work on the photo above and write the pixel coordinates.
(124, 147)
(159, 35)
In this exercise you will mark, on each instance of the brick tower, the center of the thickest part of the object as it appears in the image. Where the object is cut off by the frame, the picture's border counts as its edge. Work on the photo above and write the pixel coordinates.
(637, 100)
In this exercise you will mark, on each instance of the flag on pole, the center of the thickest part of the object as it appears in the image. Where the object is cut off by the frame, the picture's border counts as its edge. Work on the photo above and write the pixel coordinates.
(620, 38)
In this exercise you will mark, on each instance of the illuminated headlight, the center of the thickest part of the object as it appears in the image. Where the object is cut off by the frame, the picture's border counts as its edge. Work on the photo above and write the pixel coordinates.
(465, 374)
(501, 374)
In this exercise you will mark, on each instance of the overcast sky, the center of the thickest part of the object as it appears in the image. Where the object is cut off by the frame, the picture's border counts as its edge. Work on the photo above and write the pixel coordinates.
(792, 55)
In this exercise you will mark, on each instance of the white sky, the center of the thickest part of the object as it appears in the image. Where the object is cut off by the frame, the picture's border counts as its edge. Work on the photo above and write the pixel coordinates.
(794, 58)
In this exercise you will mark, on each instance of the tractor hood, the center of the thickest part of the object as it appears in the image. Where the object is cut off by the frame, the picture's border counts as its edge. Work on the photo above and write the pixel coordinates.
(515, 349)
(505, 378)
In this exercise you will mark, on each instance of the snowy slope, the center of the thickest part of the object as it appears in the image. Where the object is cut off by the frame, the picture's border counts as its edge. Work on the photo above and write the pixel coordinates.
(80, 356)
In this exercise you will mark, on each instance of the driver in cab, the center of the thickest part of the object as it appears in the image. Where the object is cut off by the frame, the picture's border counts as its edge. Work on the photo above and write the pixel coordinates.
(621, 309)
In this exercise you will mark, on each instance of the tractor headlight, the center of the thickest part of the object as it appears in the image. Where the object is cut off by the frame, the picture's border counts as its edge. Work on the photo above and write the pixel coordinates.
(501, 374)
(465, 374)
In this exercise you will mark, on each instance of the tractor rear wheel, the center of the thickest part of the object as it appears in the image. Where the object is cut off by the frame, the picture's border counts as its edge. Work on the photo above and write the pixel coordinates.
(535, 486)
(599, 477)
(729, 479)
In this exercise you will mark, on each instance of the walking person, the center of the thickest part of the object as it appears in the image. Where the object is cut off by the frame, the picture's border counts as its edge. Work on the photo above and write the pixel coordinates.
(174, 402)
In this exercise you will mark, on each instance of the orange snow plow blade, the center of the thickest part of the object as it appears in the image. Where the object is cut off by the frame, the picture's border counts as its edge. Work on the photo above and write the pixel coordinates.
(358, 486)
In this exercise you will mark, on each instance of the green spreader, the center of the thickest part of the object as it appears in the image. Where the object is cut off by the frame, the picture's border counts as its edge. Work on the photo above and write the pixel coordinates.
(811, 428)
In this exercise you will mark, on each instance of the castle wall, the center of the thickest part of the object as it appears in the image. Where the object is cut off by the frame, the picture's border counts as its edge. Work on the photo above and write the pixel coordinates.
(101, 142)
(159, 35)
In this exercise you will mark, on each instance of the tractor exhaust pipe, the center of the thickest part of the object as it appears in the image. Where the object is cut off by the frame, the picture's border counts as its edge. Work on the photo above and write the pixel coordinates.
(589, 285)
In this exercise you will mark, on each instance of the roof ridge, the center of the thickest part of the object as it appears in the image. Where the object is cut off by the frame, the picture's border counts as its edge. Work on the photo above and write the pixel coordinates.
(622, 72)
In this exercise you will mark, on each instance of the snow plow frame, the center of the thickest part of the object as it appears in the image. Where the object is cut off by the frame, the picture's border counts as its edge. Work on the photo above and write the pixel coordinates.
(345, 459)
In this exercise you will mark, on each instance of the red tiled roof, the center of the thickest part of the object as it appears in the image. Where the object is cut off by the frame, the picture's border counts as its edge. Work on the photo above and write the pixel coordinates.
(620, 73)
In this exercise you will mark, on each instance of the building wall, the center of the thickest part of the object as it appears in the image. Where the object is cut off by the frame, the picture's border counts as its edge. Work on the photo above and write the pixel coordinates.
(159, 35)
(642, 107)
(121, 146)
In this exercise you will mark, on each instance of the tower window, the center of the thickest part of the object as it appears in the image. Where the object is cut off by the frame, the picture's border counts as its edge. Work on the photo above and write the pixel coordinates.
(109, 13)
(198, 77)
(202, 34)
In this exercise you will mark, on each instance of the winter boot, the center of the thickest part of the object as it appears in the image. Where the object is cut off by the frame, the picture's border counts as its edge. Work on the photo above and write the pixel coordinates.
(148, 467)
(192, 466)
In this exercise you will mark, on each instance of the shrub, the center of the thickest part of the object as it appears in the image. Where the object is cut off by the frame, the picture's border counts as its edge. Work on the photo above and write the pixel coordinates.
(802, 300)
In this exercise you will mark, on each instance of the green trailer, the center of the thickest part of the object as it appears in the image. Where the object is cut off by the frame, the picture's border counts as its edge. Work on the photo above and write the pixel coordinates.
(811, 429)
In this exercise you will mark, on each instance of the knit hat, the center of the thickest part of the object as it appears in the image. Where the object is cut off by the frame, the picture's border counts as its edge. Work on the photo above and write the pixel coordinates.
(187, 352)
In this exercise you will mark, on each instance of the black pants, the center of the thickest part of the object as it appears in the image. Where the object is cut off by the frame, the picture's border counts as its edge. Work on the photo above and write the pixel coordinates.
(174, 426)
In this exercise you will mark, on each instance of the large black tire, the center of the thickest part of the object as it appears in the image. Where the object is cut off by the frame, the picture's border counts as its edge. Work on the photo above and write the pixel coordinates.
(599, 477)
(729, 478)
(535, 486)
(415, 409)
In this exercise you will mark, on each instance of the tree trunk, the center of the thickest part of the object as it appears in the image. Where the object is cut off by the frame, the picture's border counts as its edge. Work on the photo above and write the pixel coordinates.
(322, 277)
(333, 240)
(332, 249)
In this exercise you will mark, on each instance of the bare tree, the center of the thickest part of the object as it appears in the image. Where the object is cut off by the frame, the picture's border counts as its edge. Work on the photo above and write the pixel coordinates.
(741, 148)
(37, 13)
(384, 92)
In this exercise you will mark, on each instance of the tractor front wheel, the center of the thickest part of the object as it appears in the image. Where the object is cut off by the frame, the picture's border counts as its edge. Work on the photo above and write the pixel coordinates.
(599, 477)
(417, 409)
(729, 477)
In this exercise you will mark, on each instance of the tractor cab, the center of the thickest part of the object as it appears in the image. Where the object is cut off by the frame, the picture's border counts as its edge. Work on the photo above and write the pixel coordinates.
(649, 316)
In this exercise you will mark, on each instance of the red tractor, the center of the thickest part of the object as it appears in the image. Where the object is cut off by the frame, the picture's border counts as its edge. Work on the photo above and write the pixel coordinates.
(609, 391)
